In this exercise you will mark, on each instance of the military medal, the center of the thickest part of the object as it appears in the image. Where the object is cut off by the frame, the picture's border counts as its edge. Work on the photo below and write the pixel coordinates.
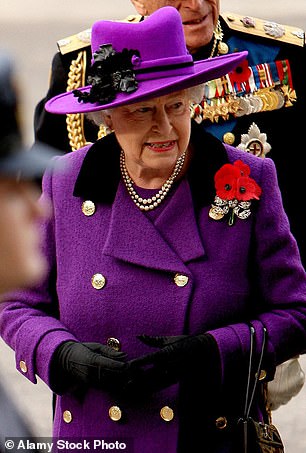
(255, 102)
(245, 107)
(274, 100)
(280, 97)
(255, 142)
(289, 95)
(247, 90)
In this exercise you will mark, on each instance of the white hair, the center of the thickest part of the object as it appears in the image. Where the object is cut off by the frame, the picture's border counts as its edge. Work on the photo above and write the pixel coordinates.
(99, 117)
(196, 93)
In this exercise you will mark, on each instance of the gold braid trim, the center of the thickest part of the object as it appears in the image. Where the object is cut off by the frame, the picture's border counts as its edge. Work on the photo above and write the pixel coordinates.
(103, 131)
(75, 121)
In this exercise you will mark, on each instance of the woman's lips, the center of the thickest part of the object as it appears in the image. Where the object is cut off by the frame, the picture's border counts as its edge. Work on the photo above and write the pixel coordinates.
(194, 21)
(160, 147)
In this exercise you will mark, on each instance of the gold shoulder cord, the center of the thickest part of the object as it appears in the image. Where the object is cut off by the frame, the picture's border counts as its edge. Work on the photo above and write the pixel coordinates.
(75, 121)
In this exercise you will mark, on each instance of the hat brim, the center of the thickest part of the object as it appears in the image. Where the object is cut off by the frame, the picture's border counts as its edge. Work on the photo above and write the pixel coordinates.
(28, 164)
(204, 71)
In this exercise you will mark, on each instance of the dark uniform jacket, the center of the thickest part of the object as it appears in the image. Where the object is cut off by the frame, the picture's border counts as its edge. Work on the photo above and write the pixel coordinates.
(275, 72)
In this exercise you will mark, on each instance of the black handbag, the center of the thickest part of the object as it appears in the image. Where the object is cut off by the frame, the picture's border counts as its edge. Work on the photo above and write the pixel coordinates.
(257, 437)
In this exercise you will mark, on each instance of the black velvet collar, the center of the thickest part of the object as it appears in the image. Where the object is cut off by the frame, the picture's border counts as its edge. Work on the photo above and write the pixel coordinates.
(99, 175)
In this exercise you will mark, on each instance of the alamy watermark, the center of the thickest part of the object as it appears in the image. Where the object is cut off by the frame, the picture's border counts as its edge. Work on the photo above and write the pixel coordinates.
(52, 445)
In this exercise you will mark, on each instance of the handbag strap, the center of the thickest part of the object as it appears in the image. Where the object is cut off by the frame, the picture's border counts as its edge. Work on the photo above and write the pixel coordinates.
(250, 393)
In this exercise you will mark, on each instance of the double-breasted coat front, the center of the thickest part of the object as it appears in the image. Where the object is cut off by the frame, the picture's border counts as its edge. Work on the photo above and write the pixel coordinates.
(119, 272)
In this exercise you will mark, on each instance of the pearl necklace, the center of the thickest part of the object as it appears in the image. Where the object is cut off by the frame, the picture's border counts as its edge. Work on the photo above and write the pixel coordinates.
(147, 204)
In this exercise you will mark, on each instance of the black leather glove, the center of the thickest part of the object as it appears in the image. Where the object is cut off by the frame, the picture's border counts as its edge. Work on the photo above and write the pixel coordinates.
(80, 365)
(180, 357)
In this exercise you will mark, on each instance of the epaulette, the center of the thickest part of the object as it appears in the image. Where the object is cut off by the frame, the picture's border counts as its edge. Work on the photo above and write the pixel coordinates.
(82, 39)
(265, 28)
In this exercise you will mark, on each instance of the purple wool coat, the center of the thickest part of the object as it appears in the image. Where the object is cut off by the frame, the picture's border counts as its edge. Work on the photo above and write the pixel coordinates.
(234, 275)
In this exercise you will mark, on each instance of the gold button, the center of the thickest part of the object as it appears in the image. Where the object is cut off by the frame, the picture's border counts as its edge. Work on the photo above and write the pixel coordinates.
(262, 375)
(167, 413)
(115, 413)
(181, 280)
(231, 17)
(67, 416)
(114, 343)
(221, 422)
(98, 281)
(223, 48)
(88, 208)
(23, 366)
(229, 138)
(131, 18)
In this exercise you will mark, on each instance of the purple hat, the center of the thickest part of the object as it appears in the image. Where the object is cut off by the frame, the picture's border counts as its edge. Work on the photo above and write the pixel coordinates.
(133, 62)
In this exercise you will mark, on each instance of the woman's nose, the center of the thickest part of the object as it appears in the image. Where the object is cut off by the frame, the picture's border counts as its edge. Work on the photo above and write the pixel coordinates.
(195, 5)
(162, 122)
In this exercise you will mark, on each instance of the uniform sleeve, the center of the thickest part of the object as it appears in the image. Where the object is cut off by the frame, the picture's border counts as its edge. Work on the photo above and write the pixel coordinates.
(279, 288)
(49, 128)
(29, 321)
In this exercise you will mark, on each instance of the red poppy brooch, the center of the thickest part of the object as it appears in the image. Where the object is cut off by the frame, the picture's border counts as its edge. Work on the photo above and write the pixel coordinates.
(234, 191)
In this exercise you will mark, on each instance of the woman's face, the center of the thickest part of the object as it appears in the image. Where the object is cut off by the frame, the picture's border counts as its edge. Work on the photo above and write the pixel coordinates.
(21, 261)
(153, 134)
(199, 18)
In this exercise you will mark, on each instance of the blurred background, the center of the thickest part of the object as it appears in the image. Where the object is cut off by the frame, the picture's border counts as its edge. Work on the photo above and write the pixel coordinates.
(29, 30)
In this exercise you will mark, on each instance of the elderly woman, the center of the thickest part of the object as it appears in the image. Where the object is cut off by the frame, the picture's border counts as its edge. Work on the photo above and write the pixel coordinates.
(169, 256)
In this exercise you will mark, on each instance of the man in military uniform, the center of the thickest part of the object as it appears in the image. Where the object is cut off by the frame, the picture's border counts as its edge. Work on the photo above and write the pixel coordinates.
(256, 108)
